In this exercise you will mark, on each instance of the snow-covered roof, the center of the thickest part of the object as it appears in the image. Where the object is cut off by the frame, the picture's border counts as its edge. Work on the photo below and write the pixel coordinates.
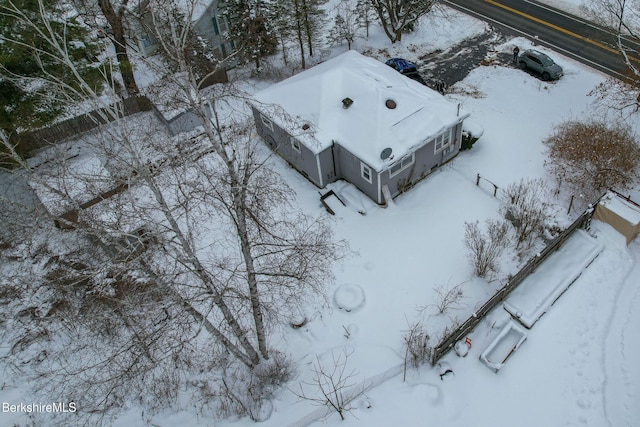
(81, 179)
(623, 208)
(315, 97)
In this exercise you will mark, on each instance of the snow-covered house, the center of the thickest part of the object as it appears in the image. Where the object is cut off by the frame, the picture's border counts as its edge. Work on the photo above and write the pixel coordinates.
(212, 24)
(209, 22)
(355, 118)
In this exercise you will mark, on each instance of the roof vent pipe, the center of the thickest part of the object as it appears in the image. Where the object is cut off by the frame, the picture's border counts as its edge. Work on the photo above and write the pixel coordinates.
(346, 103)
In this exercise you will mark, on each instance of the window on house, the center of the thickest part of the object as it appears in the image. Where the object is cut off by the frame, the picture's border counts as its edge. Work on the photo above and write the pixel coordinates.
(216, 29)
(223, 24)
(365, 172)
(443, 140)
(295, 144)
(266, 122)
(402, 164)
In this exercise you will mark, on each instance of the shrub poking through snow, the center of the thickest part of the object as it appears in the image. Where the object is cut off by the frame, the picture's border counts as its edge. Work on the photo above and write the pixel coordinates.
(246, 392)
(417, 348)
(485, 248)
(448, 298)
(526, 206)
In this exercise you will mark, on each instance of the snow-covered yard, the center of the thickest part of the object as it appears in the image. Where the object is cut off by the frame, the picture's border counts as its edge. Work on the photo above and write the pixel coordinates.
(578, 365)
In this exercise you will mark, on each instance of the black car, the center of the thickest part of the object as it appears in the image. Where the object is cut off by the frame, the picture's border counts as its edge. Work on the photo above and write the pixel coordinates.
(406, 68)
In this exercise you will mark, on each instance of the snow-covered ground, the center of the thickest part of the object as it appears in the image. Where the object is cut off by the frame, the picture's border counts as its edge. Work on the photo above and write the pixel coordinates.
(578, 365)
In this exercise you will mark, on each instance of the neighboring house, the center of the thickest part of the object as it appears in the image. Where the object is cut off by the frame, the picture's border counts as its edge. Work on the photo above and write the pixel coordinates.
(357, 119)
(213, 25)
(210, 23)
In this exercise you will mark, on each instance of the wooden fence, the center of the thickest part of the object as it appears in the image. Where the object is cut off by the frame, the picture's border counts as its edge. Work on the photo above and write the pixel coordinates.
(28, 141)
(465, 328)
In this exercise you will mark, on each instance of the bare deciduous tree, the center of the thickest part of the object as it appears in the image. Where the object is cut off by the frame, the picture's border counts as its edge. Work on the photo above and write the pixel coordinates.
(623, 18)
(592, 157)
(346, 26)
(334, 384)
(221, 258)
(398, 16)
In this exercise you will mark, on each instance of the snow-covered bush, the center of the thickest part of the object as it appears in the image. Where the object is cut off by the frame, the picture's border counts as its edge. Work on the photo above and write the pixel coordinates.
(249, 392)
(592, 157)
(485, 248)
(526, 206)
(417, 348)
(448, 298)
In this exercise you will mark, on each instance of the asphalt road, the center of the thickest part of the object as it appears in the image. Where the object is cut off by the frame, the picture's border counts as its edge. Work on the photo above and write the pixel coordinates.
(556, 29)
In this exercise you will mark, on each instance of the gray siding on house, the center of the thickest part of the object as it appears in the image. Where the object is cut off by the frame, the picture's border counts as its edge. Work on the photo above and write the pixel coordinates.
(336, 162)
(327, 166)
(212, 26)
(426, 160)
(350, 167)
(279, 141)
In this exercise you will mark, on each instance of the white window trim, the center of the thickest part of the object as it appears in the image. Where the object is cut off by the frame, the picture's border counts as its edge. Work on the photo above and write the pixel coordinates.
(295, 144)
(363, 168)
(267, 122)
(441, 137)
(411, 160)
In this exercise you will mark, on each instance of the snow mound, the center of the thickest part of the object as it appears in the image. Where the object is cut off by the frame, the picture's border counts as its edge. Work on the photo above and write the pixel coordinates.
(349, 297)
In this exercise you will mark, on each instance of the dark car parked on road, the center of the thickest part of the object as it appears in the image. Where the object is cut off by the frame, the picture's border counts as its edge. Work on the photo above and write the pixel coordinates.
(540, 63)
(407, 68)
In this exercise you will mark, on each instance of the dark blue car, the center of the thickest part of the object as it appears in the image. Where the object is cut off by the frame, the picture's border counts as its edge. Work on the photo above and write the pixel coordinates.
(405, 67)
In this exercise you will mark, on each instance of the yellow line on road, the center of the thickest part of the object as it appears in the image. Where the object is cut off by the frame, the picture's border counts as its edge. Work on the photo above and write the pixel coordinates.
(555, 27)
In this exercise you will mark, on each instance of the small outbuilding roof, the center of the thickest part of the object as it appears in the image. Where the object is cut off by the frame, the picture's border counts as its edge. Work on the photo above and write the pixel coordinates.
(360, 103)
(62, 188)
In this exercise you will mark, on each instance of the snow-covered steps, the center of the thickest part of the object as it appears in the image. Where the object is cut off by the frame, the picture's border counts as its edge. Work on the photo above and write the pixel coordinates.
(543, 287)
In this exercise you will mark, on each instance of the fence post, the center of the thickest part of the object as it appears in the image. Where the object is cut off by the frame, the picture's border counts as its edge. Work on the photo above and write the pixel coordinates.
(495, 190)
(570, 205)
(477, 180)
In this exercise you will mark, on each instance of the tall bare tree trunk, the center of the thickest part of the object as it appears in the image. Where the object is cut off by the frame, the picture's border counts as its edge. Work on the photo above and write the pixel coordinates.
(298, 16)
(307, 27)
(116, 22)
(200, 271)
(239, 187)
